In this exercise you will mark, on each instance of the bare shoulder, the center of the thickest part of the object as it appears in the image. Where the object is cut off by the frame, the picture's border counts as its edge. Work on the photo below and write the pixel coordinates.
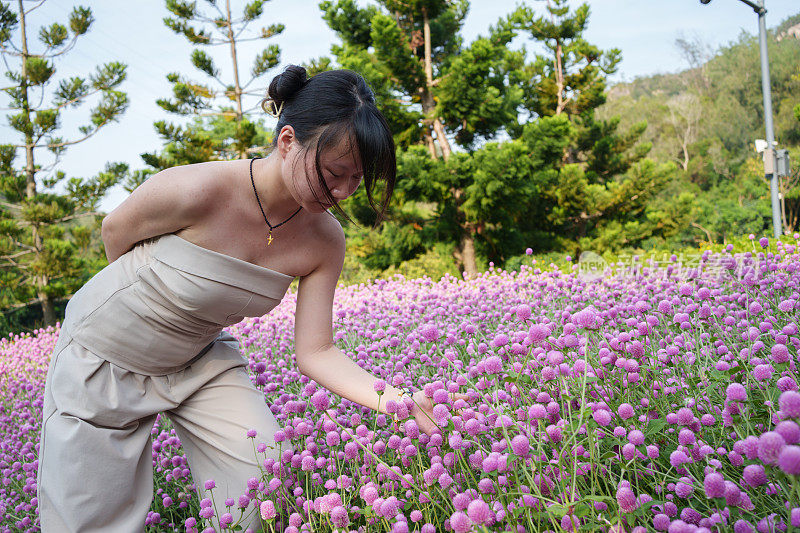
(170, 200)
(329, 240)
(212, 177)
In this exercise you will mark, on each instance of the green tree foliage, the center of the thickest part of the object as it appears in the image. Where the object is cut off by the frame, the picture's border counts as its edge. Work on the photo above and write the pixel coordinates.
(563, 176)
(571, 76)
(46, 248)
(433, 90)
(221, 99)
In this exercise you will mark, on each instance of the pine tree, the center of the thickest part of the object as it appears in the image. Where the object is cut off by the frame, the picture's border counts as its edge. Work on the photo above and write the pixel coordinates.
(604, 181)
(430, 87)
(222, 100)
(45, 246)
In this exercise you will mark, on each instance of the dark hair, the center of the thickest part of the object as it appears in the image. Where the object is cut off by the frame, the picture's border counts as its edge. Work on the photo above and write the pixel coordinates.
(331, 106)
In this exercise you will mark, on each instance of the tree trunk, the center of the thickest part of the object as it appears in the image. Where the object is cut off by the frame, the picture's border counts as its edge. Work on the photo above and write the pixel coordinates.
(429, 143)
(30, 176)
(429, 103)
(559, 79)
(468, 254)
(237, 85)
(465, 253)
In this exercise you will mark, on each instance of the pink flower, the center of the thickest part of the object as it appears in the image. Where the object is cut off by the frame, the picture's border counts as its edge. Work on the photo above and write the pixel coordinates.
(626, 500)
(585, 318)
(685, 416)
(769, 446)
(789, 403)
(789, 430)
(523, 312)
(789, 460)
(780, 353)
(520, 445)
(478, 511)
(602, 417)
(429, 332)
(320, 400)
(754, 475)
(736, 391)
(538, 332)
(267, 510)
(339, 517)
(625, 411)
(460, 522)
(714, 485)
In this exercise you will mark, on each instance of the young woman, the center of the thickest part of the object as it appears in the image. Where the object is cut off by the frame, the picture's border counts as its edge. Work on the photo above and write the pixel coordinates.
(192, 250)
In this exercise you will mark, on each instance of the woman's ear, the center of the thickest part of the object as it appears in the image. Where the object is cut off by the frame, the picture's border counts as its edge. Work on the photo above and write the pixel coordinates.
(286, 140)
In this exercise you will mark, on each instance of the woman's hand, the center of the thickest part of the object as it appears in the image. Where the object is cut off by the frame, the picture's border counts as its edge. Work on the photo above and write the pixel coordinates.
(422, 411)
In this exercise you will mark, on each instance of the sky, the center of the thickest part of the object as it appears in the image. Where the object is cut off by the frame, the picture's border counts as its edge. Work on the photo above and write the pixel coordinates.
(133, 32)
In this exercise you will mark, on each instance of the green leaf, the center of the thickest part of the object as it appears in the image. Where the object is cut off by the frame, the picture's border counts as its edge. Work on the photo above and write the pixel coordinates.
(80, 20)
(203, 61)
(54, 36)
(38, 70)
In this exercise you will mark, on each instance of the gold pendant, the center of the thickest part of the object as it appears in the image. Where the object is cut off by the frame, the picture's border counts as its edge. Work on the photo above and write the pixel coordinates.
(269, 239)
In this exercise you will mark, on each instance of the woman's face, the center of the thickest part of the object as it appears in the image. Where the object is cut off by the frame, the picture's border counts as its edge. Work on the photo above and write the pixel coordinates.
(340, 169)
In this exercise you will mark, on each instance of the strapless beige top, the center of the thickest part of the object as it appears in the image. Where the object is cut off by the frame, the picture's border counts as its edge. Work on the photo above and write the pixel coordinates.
(161, 303)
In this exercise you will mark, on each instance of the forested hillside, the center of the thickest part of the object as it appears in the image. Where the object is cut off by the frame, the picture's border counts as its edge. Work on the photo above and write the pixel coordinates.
(706, 119)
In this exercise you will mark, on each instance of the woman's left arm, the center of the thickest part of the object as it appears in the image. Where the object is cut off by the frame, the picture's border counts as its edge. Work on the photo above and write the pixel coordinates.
(317, 356)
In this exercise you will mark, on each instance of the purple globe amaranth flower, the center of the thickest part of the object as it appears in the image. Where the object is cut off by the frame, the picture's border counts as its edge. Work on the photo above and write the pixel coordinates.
(493, 364)
(339, 516)
(602, 417)
(267, 509)
(762, 372)
(520, 445)
(661, 522)
(460, 522)
(636, 437)
(585, 318)
(769, 446)
(683, 489)
(732, 494)
(538, 332)
(780, 353)
(678, 457)
(789, 460)
(754, 475)
(789, 430)
(501, 339)
(429, 332)
(686, 437)
(523, 312)
(789, 402)
(714, 485)
(786, 383)
(320, 400)
(625, 411)
(478, 511)
(764, 242)
(626, 500)
(685, 416)
(743, 526)
(736, 391)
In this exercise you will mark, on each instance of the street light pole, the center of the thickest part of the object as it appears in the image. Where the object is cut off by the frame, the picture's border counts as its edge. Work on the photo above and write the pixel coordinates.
(769, 153)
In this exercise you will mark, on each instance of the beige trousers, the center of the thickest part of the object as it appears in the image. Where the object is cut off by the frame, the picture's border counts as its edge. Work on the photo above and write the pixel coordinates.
(95, 469)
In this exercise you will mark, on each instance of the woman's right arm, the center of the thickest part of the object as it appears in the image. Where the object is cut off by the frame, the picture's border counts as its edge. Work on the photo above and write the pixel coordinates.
(166, 202)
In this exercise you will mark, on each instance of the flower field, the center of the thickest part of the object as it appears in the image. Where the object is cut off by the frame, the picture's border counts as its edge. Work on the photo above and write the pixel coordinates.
(655, 398)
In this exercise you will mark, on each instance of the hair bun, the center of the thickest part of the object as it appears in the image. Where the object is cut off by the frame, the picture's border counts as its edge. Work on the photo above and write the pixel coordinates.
(285, 85)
